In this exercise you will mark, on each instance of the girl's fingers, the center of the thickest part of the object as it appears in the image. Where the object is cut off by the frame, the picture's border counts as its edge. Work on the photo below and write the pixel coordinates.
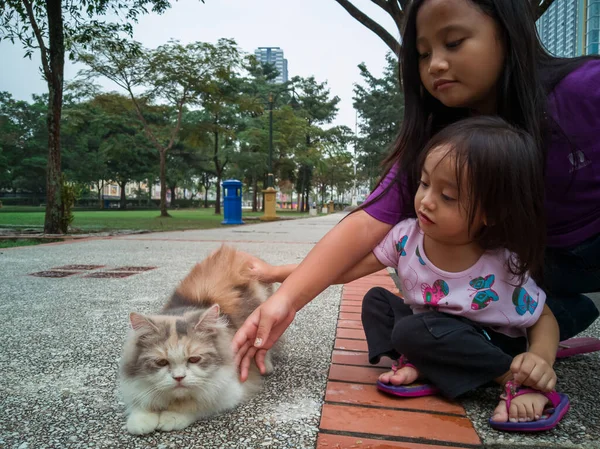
(245, 364)
(241, 353)
(260, 360)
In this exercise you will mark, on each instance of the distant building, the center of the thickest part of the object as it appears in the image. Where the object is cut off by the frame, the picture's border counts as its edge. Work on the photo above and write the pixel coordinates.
(571, 28)
(274, 56)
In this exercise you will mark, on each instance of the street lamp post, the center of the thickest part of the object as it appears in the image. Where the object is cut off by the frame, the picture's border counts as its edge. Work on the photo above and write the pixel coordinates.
(270, 178)
(270, 192)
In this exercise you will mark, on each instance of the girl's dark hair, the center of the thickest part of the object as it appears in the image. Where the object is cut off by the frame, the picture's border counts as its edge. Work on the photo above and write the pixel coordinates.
(530, 73)
(503, 174)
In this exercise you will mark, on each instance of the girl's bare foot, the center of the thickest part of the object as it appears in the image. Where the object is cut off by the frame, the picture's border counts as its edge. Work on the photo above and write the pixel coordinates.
(525, 408)
(403, 376)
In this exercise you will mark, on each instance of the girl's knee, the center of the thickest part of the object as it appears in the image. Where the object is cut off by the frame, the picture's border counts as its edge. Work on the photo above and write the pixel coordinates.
(410, 334)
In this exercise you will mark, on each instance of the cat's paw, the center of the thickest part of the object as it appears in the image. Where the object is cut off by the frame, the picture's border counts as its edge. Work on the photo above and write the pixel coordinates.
(174, 421)
(142, 422)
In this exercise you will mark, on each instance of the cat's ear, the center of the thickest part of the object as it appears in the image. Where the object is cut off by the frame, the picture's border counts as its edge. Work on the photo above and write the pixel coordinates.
(209, 317)
(139, 321)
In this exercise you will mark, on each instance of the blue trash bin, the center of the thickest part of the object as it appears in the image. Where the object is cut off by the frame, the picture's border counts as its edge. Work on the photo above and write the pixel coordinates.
(232, 202)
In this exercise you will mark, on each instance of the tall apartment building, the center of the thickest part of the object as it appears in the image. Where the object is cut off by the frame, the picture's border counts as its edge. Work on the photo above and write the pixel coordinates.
(571, 27)
(274, 55)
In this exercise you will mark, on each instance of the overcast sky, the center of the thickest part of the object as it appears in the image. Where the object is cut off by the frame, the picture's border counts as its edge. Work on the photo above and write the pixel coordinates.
(318, 38)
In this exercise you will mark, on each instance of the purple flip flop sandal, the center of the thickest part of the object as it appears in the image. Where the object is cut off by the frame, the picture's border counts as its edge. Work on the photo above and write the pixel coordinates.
(575, 346)
(552, 414)
(407, 391)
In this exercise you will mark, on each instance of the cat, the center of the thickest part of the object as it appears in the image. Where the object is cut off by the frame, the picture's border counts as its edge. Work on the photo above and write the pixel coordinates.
(178, 366)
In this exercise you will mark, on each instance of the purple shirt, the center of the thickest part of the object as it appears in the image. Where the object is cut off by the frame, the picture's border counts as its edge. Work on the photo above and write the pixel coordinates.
(573, 165)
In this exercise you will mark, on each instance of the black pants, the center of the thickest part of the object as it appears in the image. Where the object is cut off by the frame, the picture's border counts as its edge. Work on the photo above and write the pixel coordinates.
(568, 274)
(453, 353)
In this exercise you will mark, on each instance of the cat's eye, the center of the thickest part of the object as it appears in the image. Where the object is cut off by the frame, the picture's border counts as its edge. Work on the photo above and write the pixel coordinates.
(194, 359)
(162, 362)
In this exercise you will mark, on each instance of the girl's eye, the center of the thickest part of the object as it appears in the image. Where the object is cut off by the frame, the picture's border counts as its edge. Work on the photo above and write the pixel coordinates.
(448, 198)
(423, 56)
(194, 359)
(423, 184)
(162, 362)
(454, 44)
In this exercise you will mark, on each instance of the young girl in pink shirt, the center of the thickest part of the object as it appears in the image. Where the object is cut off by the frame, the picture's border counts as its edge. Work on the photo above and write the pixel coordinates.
(471, 312)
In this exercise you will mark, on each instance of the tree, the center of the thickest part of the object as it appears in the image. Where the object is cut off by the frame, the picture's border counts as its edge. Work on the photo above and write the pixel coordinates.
(52, 26)
(197, 144)
(380, 106)
(223, 100)
(175, 75)
(23, 138)
(396, 9)
(317, 108)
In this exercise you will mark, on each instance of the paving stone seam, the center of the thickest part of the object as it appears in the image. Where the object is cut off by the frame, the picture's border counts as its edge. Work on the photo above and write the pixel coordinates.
(390, 438)
(385, 407)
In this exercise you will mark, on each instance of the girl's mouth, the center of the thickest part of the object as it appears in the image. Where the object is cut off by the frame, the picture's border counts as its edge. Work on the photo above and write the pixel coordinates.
(424, 219)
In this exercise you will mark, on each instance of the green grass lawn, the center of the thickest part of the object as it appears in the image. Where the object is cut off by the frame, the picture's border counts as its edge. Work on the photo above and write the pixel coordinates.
(130, 219)
(23, 242)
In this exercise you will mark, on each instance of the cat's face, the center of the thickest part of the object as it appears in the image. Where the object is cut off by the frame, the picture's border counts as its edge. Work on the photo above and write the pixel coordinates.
(176, 354)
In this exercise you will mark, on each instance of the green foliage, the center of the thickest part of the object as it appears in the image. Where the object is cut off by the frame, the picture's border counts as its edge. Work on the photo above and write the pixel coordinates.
(69, 193)
(380, 105)
(23, 144)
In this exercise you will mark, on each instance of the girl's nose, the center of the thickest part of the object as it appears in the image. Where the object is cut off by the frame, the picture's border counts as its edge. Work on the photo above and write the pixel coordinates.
(427, 202)
(438, 64)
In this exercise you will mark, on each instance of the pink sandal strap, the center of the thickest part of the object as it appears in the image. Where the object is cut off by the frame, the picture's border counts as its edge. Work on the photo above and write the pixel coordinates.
(512, 390)
(401, 363)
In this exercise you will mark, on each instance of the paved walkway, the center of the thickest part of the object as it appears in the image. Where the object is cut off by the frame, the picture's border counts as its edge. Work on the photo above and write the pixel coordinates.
(62, 335)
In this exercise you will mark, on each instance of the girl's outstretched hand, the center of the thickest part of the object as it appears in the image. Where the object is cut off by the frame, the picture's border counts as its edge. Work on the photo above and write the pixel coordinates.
(259, 333)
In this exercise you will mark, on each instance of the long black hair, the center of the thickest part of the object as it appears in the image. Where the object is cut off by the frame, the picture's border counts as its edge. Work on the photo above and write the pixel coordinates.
(504, 180)
(530, 73)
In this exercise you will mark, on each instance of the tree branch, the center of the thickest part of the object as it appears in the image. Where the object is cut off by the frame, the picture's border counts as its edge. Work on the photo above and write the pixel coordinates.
(145, 125)
(390, 41)
(397, 8)
(383, 4)
(40, 39)
(541, 7)
(178, 124)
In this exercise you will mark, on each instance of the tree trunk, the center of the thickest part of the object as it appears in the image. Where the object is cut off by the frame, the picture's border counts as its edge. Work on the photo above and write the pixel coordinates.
(149, 202)
(54, 78)
(123, 201)
(205, 197)
(255, 194)
(163, 184)
(100, 185)
(219, 171)
(173, 188)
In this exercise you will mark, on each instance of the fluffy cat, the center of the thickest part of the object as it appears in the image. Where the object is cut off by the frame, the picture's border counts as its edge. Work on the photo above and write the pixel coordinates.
(178, 367)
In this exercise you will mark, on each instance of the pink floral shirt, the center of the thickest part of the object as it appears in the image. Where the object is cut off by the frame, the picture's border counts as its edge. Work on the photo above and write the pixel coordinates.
(486, 293)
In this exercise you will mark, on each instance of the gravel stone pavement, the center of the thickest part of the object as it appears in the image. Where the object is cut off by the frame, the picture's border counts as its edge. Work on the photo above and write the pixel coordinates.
(62, 337)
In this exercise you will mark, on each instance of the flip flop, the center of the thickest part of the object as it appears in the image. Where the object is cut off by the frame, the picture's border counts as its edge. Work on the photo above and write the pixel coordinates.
(413, 390)
(575, 346)
(550, 418)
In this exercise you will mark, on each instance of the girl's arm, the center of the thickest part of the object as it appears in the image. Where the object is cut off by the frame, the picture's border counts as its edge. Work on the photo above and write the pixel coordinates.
(369, 264)
(534, 367)
(343, 247)
(544, 336)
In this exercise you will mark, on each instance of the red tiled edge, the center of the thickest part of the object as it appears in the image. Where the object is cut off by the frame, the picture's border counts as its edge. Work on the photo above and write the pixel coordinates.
(357, 415)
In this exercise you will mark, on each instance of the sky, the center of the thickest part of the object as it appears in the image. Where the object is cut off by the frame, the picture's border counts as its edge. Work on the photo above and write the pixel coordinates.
(318, 38)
